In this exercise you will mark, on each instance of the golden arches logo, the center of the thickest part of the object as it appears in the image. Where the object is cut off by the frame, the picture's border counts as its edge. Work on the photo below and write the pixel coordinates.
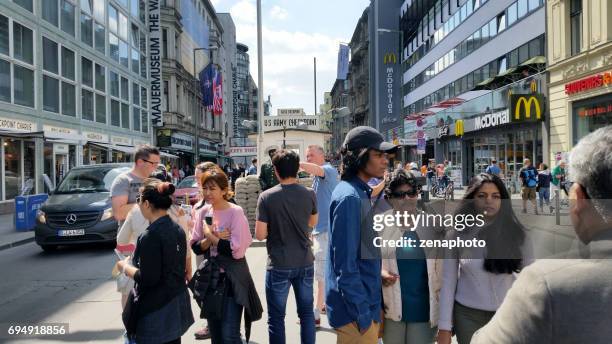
(459, 131)
(390, 58)
(527, 106)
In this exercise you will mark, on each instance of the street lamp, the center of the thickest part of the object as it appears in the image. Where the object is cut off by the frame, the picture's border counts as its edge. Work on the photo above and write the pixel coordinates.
(196, 148)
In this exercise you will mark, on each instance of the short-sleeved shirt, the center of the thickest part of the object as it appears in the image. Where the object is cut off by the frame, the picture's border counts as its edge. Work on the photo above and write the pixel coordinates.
(286, 209)
(323, 187)
(126, 184)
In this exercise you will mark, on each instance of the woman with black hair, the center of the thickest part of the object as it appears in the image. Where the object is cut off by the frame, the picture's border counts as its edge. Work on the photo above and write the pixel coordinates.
(159, 309)
(475, 283)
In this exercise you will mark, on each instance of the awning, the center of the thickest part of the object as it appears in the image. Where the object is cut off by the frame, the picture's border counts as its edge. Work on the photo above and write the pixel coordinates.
(66, 141)
(484, 85)
(534, 65)
(534, 60)
(167, 155)
(21, 135)
(124, 149)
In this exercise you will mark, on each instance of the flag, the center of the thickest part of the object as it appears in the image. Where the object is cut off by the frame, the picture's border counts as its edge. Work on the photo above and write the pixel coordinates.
(217, 106)
(206, 85)
(343, 62)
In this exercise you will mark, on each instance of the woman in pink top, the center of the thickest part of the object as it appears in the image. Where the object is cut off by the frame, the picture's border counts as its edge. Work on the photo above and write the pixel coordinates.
(221, 233)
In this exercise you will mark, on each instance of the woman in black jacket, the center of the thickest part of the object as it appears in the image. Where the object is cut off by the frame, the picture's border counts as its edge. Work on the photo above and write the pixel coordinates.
(163, 309)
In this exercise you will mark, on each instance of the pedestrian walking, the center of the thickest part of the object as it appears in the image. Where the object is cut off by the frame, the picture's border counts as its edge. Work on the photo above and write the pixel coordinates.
(223, 287)
(253, 168)
(353, 282)
(493, 168)
(285, 215)
(411, 282)
(325, 180)
(544, 179)
(158, 308)
(474, 288)
(267, 177)
(529, 179)
(558, 180)
(568, 300)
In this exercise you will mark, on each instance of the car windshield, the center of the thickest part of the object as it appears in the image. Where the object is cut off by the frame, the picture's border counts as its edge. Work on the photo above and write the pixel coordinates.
(89, 180)
(188, 183)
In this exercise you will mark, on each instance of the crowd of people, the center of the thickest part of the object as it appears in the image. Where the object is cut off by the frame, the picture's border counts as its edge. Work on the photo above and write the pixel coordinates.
(319, 242)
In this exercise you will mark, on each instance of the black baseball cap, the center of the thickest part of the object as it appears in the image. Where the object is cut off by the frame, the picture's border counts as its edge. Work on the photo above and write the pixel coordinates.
(366, 137)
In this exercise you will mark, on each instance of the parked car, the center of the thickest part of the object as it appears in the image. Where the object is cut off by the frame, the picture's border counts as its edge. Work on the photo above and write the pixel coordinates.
(187, 187)
(79, 209)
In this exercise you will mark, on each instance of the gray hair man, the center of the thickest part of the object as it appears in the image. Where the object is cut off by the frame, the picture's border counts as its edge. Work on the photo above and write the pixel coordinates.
(568, 301)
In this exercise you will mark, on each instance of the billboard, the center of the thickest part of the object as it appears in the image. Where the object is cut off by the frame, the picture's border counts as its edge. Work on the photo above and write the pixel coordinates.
(155, 66)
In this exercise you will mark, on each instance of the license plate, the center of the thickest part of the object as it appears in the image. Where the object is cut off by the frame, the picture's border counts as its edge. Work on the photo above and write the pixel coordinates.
(71, 232)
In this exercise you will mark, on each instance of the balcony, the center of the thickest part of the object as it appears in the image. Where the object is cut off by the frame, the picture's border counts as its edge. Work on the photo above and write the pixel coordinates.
(177, 121)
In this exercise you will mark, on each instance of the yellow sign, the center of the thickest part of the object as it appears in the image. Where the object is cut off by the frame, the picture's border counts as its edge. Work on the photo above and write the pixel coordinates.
(533, 86)
(459, 131)
(525, 102)
(390, 58)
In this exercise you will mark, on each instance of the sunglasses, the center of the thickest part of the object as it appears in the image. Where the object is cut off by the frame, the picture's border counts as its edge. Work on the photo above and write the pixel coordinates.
(403, 194)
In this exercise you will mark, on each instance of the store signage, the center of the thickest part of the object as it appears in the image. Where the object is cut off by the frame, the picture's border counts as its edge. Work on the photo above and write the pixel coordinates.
(523, 105)
(61, 133)
(17, 125)
(60, 148)
(491, 120)
(95, 137)
(181, 141)
(140, 143)
(292, 122)
(243, 151)
(208, 147)
(120, 140)
(459, 127)
(589, 83)
(596, 110)
(235, 114)
(163, 137)
(291, 112)
(390, 58)
(408, 142)
(155, 62)
(389, 86)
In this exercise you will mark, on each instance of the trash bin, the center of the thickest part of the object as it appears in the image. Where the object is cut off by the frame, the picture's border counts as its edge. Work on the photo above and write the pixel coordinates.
(33, 203)
(21, 222)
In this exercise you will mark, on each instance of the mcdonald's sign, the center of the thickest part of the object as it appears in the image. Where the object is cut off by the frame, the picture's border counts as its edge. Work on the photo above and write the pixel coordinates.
(390, 58)
(522, 106)
(459, 130)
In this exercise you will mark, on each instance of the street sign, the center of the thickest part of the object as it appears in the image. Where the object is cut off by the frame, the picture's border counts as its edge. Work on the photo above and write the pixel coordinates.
(421, 146)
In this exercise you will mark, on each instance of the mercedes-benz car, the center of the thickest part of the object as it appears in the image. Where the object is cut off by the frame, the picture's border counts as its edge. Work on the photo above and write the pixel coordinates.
(79, 209)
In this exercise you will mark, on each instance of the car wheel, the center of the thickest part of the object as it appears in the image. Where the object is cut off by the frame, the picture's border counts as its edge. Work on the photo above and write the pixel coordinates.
(48, 248)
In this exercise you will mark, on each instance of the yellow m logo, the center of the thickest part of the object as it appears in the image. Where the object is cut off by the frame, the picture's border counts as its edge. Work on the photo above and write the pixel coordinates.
(459, 131)
(527, 106)
(390, 58)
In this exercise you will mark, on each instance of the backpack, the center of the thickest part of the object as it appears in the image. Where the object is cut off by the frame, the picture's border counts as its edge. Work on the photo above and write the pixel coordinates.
(530, 178)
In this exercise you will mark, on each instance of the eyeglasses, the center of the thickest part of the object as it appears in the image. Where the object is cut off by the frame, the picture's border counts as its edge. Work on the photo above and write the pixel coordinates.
(403, 194)
(151, 162)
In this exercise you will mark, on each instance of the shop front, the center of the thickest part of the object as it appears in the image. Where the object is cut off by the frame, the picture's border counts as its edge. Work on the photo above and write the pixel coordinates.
(60, 151)
(209, 151)
(96, 150)
(591, 114)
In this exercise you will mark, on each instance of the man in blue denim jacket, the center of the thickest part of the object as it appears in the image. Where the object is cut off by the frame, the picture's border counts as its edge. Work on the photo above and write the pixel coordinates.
(353, 280)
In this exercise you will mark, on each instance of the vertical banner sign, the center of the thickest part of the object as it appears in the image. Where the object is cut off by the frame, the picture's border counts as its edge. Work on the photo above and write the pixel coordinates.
(155, 67)
(343, 62)
(235, 115)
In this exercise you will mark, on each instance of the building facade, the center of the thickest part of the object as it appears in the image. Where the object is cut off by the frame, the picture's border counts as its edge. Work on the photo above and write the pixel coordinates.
(229, 39)
(579, 58)
(479, 64)
(74, 88)
(359, 73)
(190, 32)
(341, 119)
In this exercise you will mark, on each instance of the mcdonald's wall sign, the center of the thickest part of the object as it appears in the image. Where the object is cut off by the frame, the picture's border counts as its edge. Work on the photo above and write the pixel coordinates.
(390, 58)
(527, 107)
(459, 130)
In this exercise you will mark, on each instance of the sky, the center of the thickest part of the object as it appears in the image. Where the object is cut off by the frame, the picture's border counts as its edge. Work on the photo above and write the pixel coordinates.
(294, 32)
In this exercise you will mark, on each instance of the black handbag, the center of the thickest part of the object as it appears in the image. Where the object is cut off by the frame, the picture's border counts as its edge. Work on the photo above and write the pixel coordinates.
(209, 289)
(130, 313)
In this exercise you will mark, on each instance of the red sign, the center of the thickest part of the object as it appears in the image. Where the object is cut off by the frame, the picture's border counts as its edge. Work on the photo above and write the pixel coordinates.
(599, 109)
(589, 83)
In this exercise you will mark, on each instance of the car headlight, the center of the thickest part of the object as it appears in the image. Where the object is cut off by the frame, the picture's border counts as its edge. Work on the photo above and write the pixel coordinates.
(107, 214)
(41, 216)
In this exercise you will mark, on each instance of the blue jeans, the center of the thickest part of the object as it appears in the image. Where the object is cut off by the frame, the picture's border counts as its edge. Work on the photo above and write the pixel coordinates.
(544, 195)
(278, 282)
(227, 330)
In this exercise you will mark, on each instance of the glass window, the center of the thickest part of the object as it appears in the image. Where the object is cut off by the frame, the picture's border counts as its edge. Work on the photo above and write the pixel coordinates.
(24, 86)
(136, 118)
(87, 105)
(50, 94)
(463, 13)
(100, 78)
(125, 116)
(535, 48)
(524, 53)
(502, 65)
(12, 167)
(50, 62)
(124, 57)
(86, 6)
(99, 38)
(125, 91)
(123, 26)
(100, 108)
(86, 29)
(27, 4)
(143, 97)
(68, 63)
(484, 34)
(513, 59)
(115, 113)
(135, 94)
(86, 72)
(113, 44)
(114, 83)
(50, 11)
(501, 23)
(135, 35)
(29, 159)
(533, 4)
(134, 8)
(143, 66)
(98, 9)
(5, 81)
(512, 14)
(522, 8)
(476, 38)
(23, 43)
(143, 42)
(135, 61)
(112, 18)
(143, 9)
(123, 3)
(575, 26)
(68, 17)
(493, 28)
(4, 35)
(164, 43)
(144, 119)
(68, 99)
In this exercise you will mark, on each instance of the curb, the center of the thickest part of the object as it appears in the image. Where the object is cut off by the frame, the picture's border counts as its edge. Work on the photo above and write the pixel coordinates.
(16, 243)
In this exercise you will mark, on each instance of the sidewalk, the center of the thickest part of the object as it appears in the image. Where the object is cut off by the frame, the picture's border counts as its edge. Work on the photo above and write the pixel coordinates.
(9, 236)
